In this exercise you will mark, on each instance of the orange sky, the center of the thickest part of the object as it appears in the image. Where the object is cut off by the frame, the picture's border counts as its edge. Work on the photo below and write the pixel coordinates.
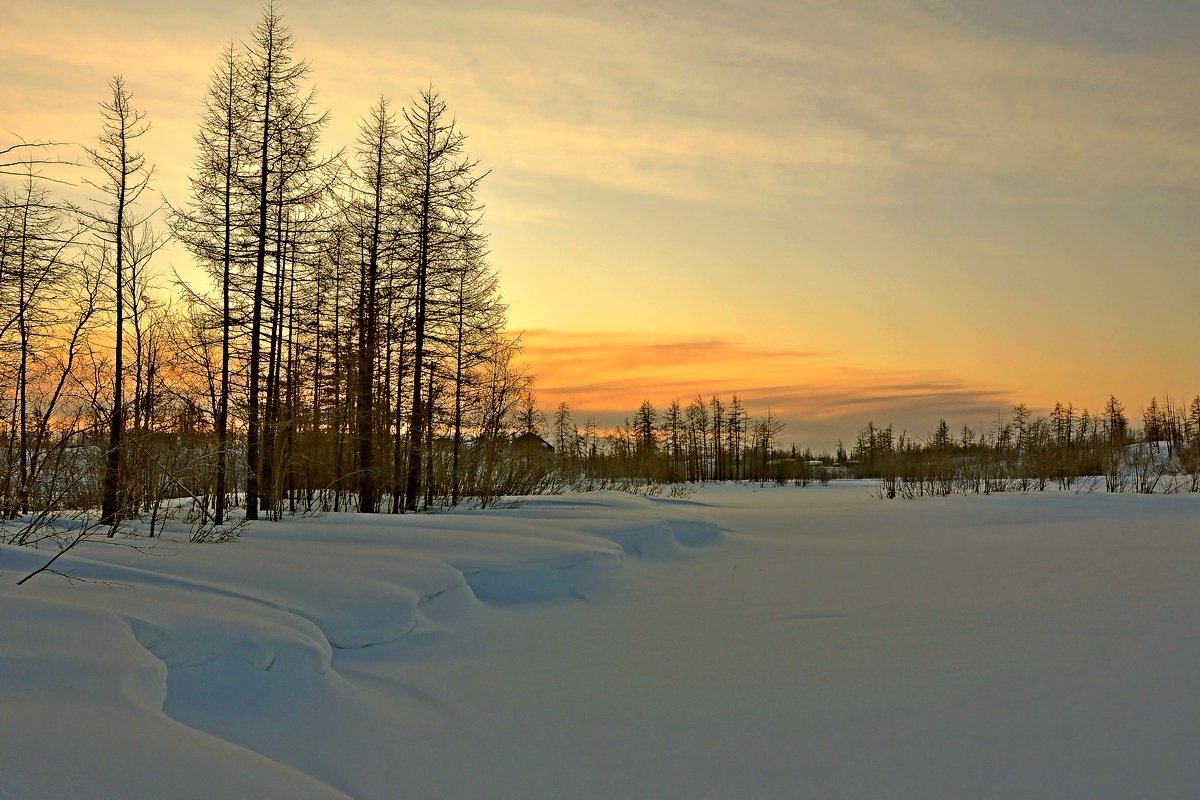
(604, 376)
(890, 210)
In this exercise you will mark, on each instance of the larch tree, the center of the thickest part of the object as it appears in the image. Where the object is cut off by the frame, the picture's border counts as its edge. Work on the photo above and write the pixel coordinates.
(1117, 422)
(718, 441)
(215, 228)
(766, 431)
(284, 127)
(1193, 422)
(125, 176)
(146, 320)
(478, 318)
(645, 422)
(439, 186)
(565, 436)
(36, 239)
(701, 468)
(671, 424)
(377, 212)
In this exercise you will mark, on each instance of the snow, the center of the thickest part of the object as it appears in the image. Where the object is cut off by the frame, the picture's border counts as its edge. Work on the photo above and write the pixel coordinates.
(767, 642)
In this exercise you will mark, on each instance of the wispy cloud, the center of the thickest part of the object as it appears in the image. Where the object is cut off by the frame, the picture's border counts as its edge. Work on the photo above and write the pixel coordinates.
(866, 102)
(753, 102)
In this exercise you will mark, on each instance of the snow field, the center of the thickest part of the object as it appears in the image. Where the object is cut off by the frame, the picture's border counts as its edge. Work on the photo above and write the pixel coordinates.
(771, 642)
(237, 643)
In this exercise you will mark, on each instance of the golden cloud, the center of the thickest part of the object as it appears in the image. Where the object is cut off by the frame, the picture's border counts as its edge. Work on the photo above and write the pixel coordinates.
(605, 376)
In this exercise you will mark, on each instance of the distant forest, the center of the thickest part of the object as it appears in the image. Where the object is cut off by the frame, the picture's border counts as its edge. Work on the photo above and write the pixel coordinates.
(1070, 449)
(349, 351)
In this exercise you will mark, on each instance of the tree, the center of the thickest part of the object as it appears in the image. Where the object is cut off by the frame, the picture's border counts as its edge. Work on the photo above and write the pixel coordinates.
(286, 129)
(478, 320)
(765, 431)
(378, 214)
(735, 429)
(1193, 421)
(1020, 421)
(125, 177)
(645, 431)
(719, 471)
(529, 418)
(1118, 424)
(700, 455)
(147, 321)
(36, 240)
(566, 436)
(502, 396)
(672, 430)
(439, 185)
(942, 441)
(1062, 419)
(966, 438)
(214, 226)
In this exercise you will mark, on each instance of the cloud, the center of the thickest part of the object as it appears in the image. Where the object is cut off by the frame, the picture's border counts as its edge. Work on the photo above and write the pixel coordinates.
(606, 376)
(870, 102)
(757, 102)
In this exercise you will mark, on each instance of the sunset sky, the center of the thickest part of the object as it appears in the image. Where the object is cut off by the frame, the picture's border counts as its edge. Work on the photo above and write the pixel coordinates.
(843, 211)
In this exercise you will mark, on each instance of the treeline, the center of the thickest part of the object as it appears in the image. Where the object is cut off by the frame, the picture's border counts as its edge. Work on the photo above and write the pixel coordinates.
(350, 352)
(706, 440)
(717, 440)
(1069, 449)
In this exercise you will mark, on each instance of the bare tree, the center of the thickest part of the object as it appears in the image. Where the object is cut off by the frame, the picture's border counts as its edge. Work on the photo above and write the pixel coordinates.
(36, 252)
(378, 214)
(125, 177)
(215, 225)
(439, 183)
(286, 128)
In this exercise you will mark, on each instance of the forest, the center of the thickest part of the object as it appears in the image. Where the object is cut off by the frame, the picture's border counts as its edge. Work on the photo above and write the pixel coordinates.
(1071, 449)
(349, 348)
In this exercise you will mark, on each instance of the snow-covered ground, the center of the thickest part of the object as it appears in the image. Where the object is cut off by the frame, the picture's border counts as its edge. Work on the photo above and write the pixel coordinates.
(748, 642)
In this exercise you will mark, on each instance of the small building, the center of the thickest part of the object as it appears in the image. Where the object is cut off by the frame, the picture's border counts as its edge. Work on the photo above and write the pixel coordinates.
(530, 444)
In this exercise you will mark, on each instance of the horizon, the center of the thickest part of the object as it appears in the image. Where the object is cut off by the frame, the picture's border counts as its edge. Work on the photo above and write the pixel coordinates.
(895, 212)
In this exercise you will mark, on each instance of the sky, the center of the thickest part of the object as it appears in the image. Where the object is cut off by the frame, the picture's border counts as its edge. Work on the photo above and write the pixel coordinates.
(887, 210)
